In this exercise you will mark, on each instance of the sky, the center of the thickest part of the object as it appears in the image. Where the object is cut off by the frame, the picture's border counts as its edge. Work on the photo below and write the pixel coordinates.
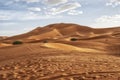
(19, 16)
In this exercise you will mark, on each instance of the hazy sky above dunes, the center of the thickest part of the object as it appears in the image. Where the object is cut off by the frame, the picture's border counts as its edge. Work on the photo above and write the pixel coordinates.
(18, 16)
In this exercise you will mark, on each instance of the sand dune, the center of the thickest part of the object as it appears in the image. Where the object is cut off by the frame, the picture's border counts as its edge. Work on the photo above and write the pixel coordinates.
(48, 35)
(4, 45)
(96, 39)
(3, 37)
(66, 30)
(62, 52)
(70, 47)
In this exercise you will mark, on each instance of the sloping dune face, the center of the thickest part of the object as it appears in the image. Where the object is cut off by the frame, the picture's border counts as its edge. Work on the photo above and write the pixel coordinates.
(51, 34)
(62, 52)
(69, 47)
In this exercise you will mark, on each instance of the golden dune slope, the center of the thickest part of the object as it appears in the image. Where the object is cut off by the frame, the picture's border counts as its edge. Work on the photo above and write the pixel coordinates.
(70, 47)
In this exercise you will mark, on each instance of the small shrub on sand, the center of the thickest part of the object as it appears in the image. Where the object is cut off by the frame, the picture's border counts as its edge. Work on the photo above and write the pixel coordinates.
(17, 42)
(45, 41)
(73, 39)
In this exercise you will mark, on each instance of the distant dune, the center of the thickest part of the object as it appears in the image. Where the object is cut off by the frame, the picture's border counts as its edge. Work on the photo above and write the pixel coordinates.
(62, 51)
(3, 37)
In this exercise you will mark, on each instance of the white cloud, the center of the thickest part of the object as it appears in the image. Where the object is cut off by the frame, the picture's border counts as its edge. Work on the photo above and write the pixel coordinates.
(65, 7)
(13, 15)
(8, 24)
(55, 2)
(28, 1)
(6, 15)
(37, 9)
(9, 2)
(113, 3)
(8, 32)
(114, 18)
(33, 16)
(75, 12)
(108, 21)
(32, 1)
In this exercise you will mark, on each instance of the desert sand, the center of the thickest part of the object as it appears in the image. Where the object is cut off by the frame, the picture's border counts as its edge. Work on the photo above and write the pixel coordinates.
(62, 52)
(3, 37)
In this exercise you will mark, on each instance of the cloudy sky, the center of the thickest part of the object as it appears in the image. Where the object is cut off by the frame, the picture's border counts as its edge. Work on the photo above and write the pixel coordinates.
(18, 16)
